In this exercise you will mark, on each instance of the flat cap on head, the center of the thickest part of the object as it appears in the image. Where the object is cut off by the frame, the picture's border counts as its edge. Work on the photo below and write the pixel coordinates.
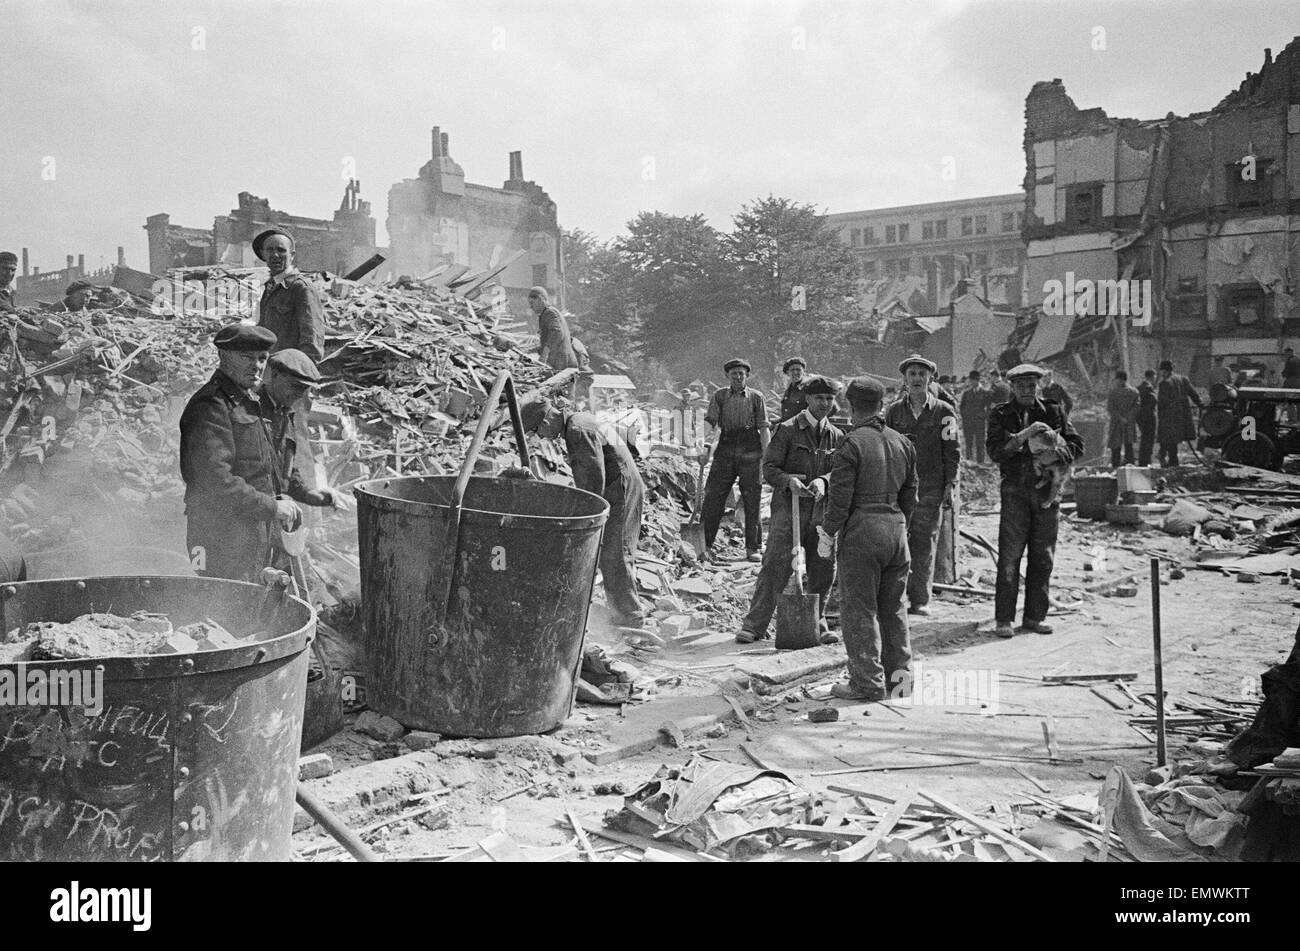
(533, 410)
(79, 286)
(732, 364)
(1167, 365)
(8, 257)
(918, 360)
(261, 239)
(821, 386)
(974, 374)
(793, 362)
(865, 390)
(244, 338)
(1024, 370)
(296, 364)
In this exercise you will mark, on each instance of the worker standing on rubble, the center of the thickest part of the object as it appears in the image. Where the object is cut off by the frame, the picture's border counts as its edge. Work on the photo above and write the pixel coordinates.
(556, 348)
(8, 268)
(291, 309)
(797, 466)
(795, 398)
(869, 499)
(1176, 396)
(228, 463)
(931, 425)
(737, 439)
(1146, 417)
(601, 464)
(975, 416)
(1024, 522)
(1122, 404)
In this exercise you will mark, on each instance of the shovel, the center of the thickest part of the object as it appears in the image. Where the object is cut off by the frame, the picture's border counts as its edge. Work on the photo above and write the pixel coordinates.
(797, 623)
(692, 532)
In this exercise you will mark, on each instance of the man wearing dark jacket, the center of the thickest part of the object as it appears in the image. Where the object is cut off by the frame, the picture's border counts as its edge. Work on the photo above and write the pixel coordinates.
(1121, 409)
(1024, 521)
(234, 483)
(601, 464)
(795, 398)
(796, 465)
(1176, 396)
(869, 499)
(975, 404)
(291, 309)
(1146, 417)
(555, 342)
(931, 425)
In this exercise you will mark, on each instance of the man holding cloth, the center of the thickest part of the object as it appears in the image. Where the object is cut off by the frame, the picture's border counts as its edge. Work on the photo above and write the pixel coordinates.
(931, 425)
(870, 496)
(601, 464)
(1024, 520)
(797, 467)
(737, 419)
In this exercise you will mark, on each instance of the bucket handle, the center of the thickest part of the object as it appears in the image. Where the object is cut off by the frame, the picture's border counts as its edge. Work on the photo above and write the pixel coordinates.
(505, 383)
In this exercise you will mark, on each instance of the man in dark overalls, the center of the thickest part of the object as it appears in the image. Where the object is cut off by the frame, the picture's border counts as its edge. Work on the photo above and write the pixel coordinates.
(931, 424)
(603, 465)
(228, 463)
(1024, 521)
(796, 465)
(737, 417)
(871, 495)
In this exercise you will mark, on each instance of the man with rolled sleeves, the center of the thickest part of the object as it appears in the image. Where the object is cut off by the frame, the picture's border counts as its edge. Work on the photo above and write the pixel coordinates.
(795, 398)
(931, 425)
(869, 499)
(737, 439)
(228, 461)
(290, 376)
(601, 464)
(796, 465)
(1024, 522)
(291, 309)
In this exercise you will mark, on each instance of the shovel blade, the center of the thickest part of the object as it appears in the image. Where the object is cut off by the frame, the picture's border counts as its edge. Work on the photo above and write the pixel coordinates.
(797, 623)
(693, 534)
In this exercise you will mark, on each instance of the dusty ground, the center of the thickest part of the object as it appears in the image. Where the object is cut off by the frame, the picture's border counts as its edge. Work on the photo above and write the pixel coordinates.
(1219, 635)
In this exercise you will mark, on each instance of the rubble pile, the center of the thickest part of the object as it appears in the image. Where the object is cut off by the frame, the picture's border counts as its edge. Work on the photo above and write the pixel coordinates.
(109, 635)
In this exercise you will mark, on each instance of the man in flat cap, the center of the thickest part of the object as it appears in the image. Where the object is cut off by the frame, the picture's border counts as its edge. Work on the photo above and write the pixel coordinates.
(602, 464)
(291, 309)
(556, 347)
(999, 389)
(78, 296)
(1025, 522)
(795, 398)
(737, 438)
(975, 405)
(1175, 396)
(931, 425)
(233, 489)
(8, 268)
(869, 499)
(289, 377)
(797, 466)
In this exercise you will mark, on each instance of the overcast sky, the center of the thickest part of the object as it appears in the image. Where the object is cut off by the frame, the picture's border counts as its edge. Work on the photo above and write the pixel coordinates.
(134, 108)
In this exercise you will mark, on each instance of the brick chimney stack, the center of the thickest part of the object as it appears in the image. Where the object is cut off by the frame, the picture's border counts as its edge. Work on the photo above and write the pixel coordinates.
(25, 271)
(437, 143)
(517, 166)
(446, 147)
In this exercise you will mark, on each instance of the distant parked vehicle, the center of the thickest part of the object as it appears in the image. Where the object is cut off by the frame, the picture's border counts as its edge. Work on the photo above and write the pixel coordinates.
(1252, 425)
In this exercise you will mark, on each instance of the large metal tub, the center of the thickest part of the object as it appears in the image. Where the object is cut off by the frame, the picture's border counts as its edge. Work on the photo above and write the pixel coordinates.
(505, 659)
(194, 756)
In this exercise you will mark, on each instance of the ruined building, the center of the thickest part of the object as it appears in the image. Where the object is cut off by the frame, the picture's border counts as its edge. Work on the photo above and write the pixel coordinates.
(438, 218)
(336, 245)
(942, 279)
(1198, 206)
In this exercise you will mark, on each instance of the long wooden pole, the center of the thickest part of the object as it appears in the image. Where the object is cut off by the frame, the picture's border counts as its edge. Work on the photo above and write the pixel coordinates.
(1160, 673)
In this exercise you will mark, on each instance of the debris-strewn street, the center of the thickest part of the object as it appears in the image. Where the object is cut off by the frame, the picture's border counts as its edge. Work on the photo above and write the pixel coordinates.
(858, 433)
